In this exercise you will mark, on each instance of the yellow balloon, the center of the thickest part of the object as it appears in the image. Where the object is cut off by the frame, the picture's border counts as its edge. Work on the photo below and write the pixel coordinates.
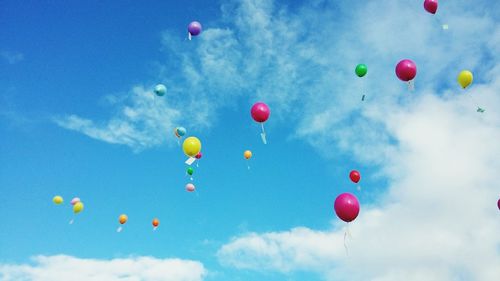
(123, 219)
(78, 207)
(191, 146)
(247, 154)
(57, 200)
(465, 78)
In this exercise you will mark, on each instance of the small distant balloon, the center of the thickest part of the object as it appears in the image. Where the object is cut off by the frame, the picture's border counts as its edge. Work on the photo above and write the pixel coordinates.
(190, 171)
(190, 187)
(75, 200)
(347, 207)
(247, 154)
(180, 131)
(58, 200)
(498, 204)
(194, 28)
(406, 70)
(191, 146)
(361, 70)
(156, 223)
(123, 219)
(160, 90)
(431, 6)
(465, 78)
(355, 176)
(78, 207)
(199, 155)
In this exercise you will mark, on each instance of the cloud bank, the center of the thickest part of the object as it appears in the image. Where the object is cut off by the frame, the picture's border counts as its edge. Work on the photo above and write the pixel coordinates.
(63, 268)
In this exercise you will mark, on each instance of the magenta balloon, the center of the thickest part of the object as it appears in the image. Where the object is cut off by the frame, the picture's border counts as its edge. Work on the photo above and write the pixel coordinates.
(260, 112)
(346, 207)
(431, 6)
(194, 28)
(498, 204)
(406, 70)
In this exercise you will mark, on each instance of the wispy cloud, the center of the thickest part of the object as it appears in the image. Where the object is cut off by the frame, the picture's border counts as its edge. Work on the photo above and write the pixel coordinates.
(142, 120)
(63, 268)
(11, 57)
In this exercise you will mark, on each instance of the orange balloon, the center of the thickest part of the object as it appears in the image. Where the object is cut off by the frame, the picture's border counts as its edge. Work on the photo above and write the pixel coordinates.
(156, 222)
(123, 219)
(247, 154)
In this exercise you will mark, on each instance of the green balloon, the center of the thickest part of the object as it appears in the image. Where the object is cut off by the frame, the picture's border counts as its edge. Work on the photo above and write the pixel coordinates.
(190, 171)
(361, 70)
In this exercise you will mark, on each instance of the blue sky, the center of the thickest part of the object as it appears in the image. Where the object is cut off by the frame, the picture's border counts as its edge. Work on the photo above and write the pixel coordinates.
(78, 118)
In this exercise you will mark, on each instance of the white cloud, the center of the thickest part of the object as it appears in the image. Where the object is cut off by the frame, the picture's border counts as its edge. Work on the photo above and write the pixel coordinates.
(63, 268)
(143, 120)
(11, 57)
(438, 220)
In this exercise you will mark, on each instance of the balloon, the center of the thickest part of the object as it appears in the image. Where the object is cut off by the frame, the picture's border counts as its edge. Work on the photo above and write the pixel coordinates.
(431, 6)
(160, 90)
(156, 222)
(406, 70)
(57, 200)
(498, 204)
(123, 219)
(194, 28)
(78, 207)
(247, 154)
(190, 170)
(361, 70)
(191, 146)
(199, 155)
(346, 207)
(190, 187)
(180, 131)
(355, 176)
(75, 200)
(464, 78)
(260, 112)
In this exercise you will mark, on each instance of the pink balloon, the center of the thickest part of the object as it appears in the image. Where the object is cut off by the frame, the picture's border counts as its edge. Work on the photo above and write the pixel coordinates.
(190, 187)
(406, 70)
(260, 112)
(498, 204)
(431, 6)
(75, 200)
(198, 156)
(346, 207)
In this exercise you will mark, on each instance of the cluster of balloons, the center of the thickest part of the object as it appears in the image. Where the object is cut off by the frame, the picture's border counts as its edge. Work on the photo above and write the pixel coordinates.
(75, 202)
(346, 205)
(123, 218)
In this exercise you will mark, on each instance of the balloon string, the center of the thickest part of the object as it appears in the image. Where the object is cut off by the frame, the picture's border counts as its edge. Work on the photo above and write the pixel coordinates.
(411, 85)
(191, 178)
(347, 235)
(197, 164)
(263, 134)
(248, 165)
(154, 228)
(189, 36)
(71, 221)
(119, 229)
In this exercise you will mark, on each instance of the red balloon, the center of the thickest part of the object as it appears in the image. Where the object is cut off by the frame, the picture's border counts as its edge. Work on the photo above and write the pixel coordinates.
(198, 156)
(406, 70)
(260, 112)
(346, 207)
(431, 6)
(355, 176)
